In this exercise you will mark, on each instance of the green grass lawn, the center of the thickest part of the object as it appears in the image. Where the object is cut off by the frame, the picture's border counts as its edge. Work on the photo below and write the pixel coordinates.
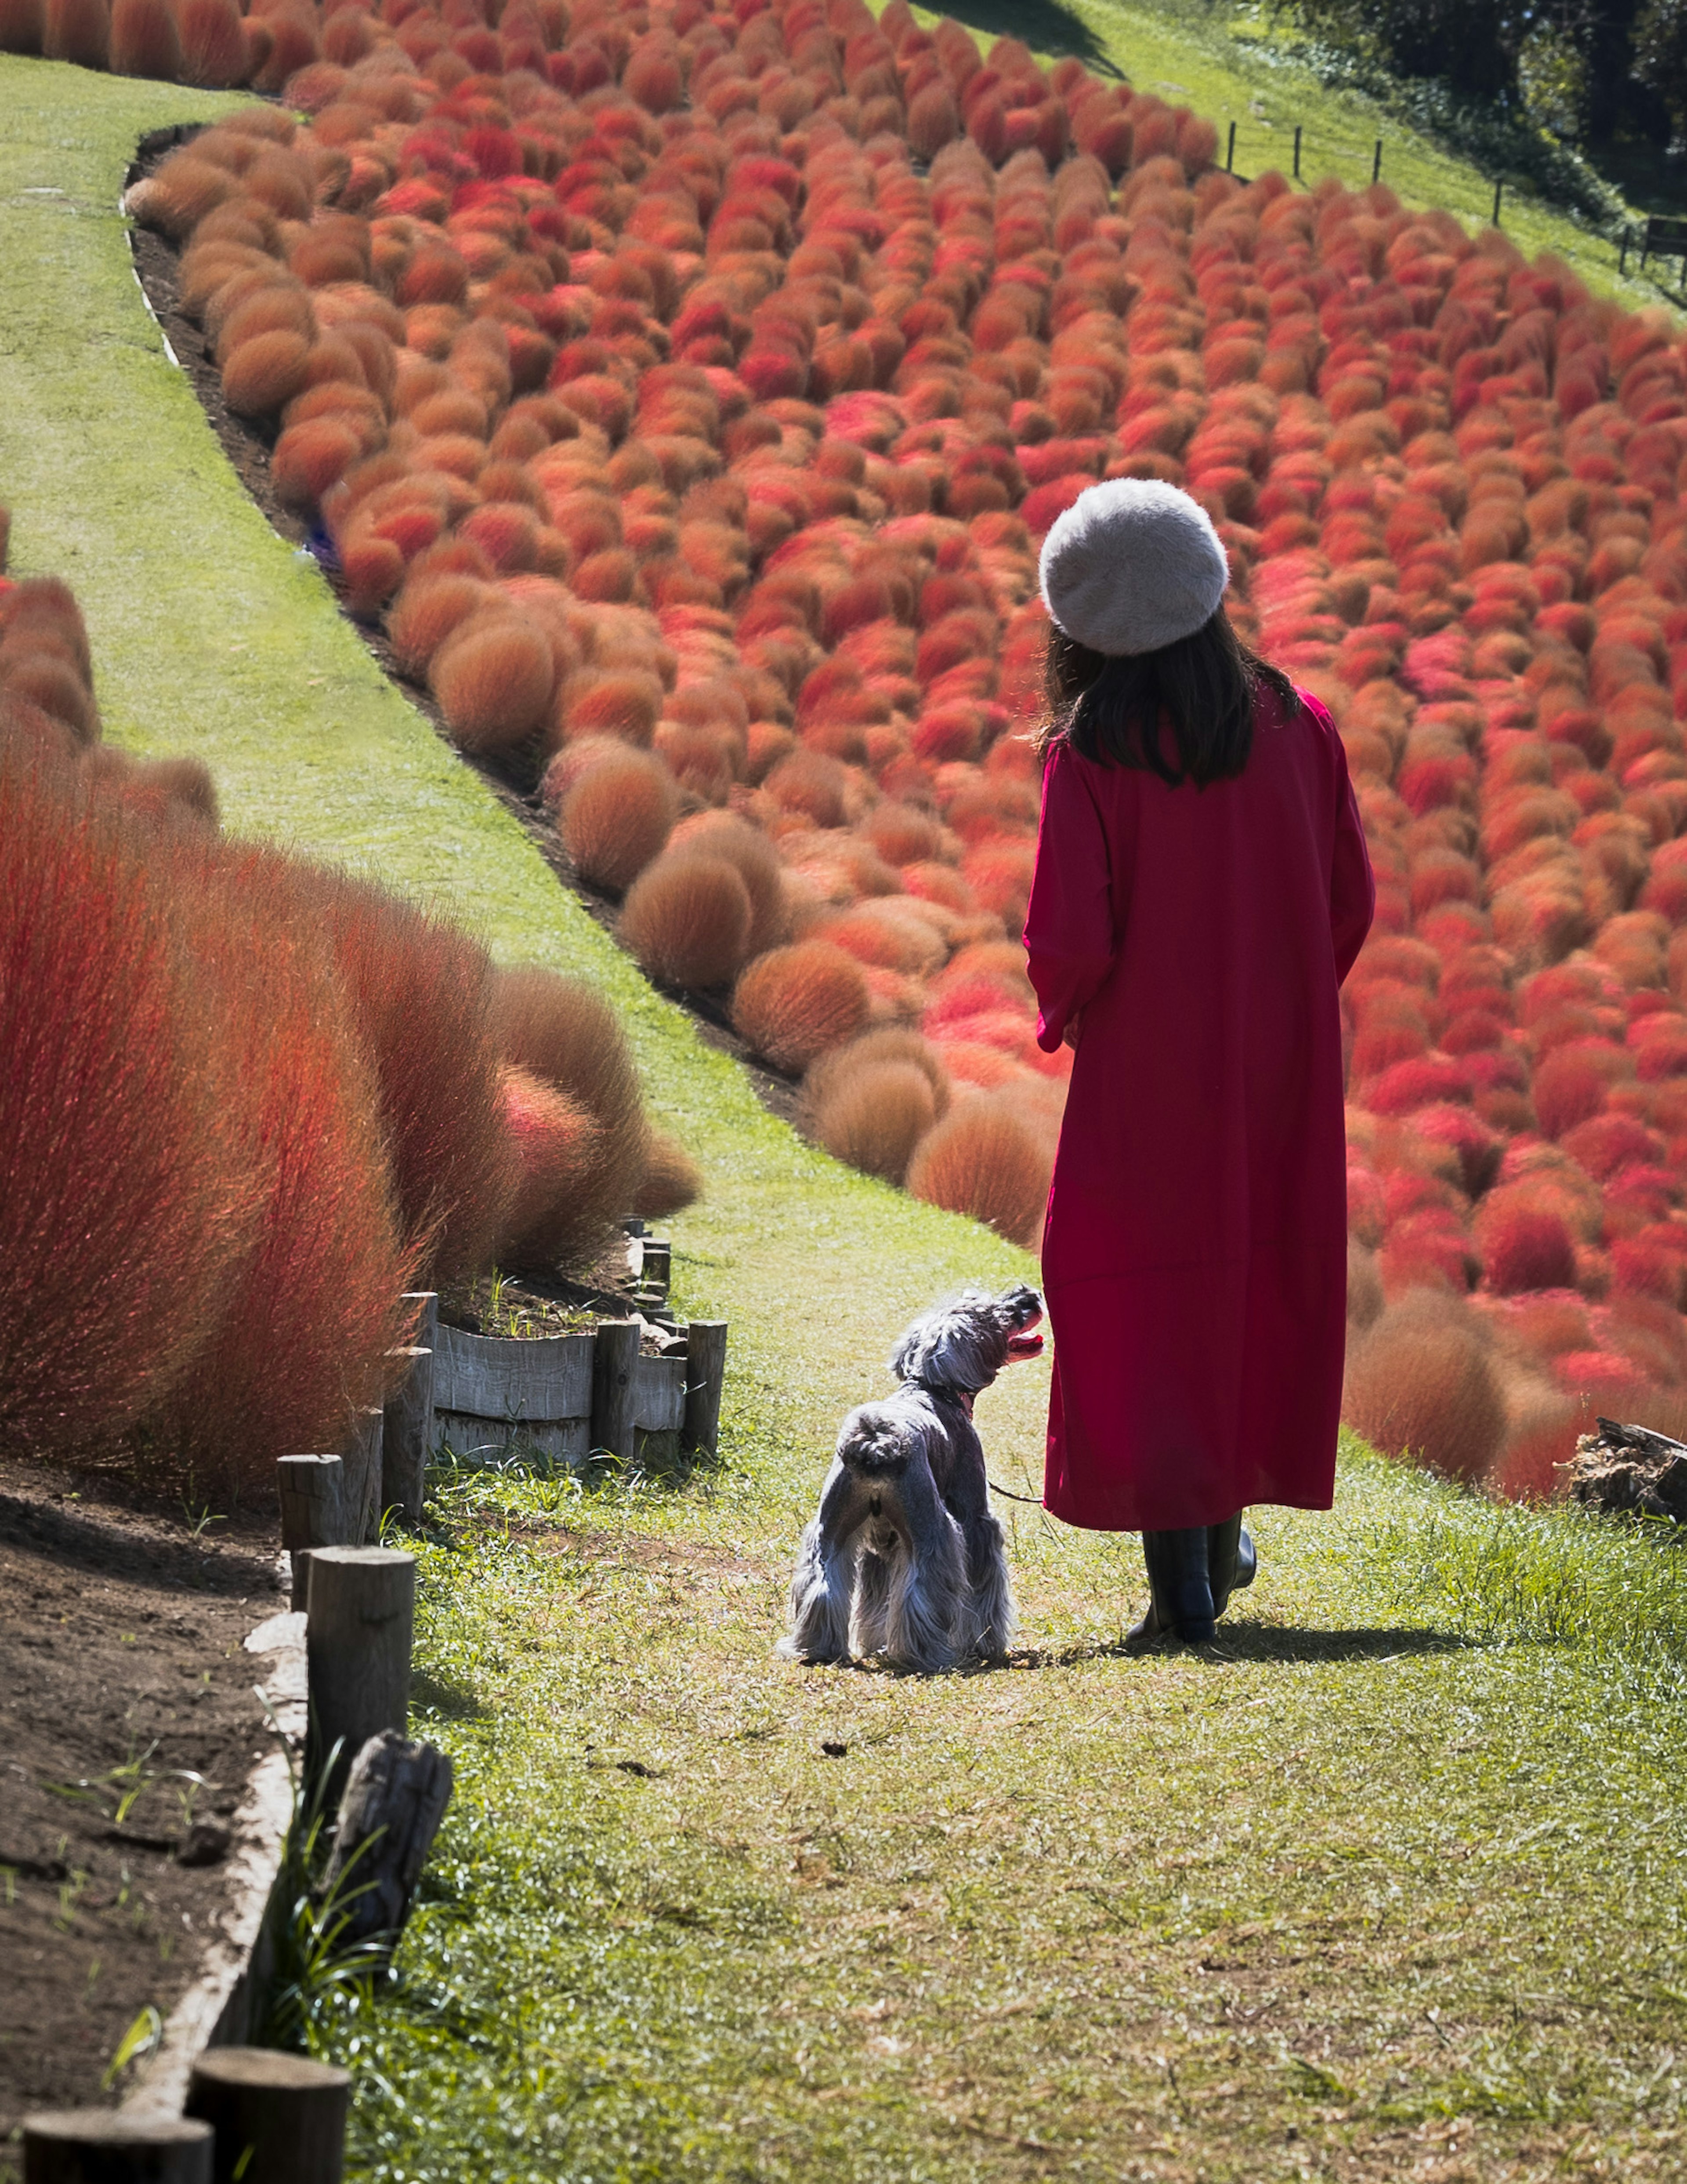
(1389, 1885)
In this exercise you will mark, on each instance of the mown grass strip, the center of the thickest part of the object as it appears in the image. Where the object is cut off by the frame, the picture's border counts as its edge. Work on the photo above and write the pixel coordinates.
(1388, 1887)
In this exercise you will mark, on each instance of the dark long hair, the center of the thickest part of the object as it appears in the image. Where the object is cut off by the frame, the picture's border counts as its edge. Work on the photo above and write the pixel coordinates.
(1185, 712)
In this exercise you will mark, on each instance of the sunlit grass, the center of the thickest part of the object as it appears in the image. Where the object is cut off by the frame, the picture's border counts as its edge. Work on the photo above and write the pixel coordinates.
(1389, 1873)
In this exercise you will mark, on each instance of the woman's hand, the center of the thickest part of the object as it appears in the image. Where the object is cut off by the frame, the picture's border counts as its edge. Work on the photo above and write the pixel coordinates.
(1074, 1025)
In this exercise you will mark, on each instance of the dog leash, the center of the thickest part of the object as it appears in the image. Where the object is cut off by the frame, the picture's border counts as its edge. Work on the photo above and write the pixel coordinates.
(1031, 1501)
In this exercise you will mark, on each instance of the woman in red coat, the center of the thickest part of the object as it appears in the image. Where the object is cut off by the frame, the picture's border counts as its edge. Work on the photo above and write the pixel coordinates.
(1202, 888)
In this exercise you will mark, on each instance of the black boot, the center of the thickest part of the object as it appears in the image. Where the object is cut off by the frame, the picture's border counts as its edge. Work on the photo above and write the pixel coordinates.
(1231, 1560)
(1180, 1601)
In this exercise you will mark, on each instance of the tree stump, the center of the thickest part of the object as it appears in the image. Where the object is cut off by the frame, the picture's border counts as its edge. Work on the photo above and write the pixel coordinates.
(106, 2146)
(394, 1802)
(705, 1356)
(279, 2119)
(613, 1393)
(313, 1496)
(357, 1635)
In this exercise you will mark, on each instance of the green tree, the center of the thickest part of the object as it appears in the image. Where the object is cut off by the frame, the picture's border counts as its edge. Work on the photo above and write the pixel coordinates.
(1661, 62)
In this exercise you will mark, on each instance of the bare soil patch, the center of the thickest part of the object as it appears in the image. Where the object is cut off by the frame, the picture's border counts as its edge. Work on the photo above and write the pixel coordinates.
(128, 1728)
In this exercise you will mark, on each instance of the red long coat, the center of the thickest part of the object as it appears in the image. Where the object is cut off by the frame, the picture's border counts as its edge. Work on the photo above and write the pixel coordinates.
(1194, 1259)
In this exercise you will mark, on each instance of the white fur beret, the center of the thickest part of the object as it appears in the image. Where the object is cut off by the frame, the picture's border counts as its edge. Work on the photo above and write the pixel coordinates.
(1131, 565)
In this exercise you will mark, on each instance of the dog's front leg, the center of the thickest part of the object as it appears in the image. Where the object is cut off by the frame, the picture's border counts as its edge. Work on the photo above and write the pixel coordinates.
(820, 1589)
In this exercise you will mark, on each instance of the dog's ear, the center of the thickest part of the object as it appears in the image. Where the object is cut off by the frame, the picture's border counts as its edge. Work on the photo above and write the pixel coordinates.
(939, 1340)
(875, 1441)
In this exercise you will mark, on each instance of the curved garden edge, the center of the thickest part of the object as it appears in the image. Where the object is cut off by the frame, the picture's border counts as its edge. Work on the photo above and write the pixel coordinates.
(222, 2007)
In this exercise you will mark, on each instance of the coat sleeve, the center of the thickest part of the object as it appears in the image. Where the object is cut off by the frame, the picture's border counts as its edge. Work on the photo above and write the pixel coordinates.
(1353, 885)
(1069, 935)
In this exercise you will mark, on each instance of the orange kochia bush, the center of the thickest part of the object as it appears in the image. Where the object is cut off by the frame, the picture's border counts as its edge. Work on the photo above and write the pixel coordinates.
(250, 1100)
(655, 394)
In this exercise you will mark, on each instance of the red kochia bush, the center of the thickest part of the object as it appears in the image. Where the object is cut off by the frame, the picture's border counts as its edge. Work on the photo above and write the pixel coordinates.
(686, 919)
(127, 1199)
(493, 679)
(873, 1116)
(795, 1003)
(566, 1034)
(301, 1338)
(1525, 1250)
(1421, 1382)
(671, 1181)
(617, 817)
(78, 30)
(144, 40)
(214, 48)
(982, 1160)
(22, 25)
(421, 992)
(557, 1142)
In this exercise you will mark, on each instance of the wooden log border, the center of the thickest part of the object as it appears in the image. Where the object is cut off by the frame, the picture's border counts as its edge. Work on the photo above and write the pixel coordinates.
(496, 1396)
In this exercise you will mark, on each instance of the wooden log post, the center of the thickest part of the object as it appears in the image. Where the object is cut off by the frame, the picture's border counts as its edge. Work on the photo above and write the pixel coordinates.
(395, 1799)
(362, 1478)
(658, 1270)
(279, 2118)
(358, 1633)
(407, 1427)
(614, 1396)
(106, 2146)
(313, 1496)
(705, 1372)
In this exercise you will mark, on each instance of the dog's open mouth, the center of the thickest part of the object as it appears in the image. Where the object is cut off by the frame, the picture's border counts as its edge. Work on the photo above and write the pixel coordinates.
(1027, 1342)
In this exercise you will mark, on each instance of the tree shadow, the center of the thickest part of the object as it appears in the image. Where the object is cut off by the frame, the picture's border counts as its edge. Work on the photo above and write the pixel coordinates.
(1270, 1641)
(1044, 25)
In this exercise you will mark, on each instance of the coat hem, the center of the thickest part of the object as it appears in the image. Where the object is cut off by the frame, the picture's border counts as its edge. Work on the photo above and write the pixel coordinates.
(1088, 1524)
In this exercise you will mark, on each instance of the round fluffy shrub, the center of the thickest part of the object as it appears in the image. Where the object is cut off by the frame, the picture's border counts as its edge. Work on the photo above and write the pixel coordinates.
(493, 679)
(563, 1032)
(983, 1161)
(686, 919)
(671, 1180)
(872, 1116)
(560, 1146)
(748, 850)
(1524, 1250)
(265, 370)
(1422, 1382)
(794, 1004)
(617, 816)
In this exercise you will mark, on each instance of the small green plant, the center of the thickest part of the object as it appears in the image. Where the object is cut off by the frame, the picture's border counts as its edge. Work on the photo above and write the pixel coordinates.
(140, 2040)
(315, 1962)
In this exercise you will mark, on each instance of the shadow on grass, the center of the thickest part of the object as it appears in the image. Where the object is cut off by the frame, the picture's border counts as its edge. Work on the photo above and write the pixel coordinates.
(1044, 25)
(438, 1695)
(1269, 1641)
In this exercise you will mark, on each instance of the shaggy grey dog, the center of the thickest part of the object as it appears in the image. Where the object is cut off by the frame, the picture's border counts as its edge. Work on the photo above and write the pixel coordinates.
(903, 1558)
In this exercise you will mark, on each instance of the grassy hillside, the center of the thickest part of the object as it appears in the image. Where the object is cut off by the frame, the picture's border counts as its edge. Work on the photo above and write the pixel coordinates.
(1387, 1886)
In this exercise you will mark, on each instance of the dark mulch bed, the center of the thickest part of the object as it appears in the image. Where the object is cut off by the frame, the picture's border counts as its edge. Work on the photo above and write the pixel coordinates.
(248, 447)
(120, 1669)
